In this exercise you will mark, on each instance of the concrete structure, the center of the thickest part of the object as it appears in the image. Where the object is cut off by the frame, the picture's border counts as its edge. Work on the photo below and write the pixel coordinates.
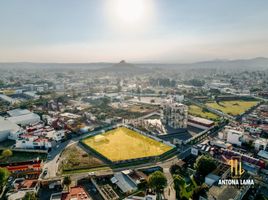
(199, 122)
(7, 128)
(235, 137)
(261, 144)
(174, 114)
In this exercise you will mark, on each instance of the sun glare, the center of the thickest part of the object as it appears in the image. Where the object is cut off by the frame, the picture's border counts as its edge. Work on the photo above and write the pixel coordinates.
(129, 12)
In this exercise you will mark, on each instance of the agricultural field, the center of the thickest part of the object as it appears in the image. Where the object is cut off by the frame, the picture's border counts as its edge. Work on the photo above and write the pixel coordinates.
(233, 108)
(75, 158)
(123, 144)
(199, 112)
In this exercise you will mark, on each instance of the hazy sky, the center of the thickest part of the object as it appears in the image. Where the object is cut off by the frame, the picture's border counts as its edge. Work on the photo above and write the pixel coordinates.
(134, 30)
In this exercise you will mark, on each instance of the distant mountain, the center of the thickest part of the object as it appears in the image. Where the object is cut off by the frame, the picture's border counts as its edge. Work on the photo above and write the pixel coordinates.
(259, 63)
(124, 67)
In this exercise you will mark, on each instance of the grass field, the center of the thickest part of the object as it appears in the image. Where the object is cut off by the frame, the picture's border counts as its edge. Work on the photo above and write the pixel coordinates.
(199, 112)
(123, 144)
(75, 158)
(233, 108)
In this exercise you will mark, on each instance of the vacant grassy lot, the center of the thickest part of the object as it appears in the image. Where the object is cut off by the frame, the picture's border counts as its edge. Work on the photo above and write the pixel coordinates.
(199, 112)
(233, 108)
(123, 143)
(75, 158)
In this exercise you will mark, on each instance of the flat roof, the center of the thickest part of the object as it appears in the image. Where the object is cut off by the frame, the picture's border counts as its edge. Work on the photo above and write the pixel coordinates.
(6, 125)
(201, 120)
(17, 119)
(263, 154)
(18, 112)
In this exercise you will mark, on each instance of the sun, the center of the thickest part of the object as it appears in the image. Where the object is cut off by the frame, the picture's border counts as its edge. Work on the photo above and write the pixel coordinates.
(129, 12)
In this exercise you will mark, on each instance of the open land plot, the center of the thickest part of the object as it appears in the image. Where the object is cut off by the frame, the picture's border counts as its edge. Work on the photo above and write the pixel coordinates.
(233, 108)
(199, 112)
(124, 144)
(75, 158)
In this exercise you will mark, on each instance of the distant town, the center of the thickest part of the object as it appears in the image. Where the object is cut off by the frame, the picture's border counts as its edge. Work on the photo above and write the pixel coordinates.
(128, 131)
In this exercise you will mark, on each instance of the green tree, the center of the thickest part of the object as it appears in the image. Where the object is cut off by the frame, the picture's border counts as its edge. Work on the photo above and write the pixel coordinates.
(157, 182)
(178, 183)
(4, 174)
(204, 165)
(30, 196)
(7, 153)
(67, 181)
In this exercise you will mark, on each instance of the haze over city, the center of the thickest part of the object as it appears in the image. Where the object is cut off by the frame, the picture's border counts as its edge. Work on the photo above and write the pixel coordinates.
(136, 30)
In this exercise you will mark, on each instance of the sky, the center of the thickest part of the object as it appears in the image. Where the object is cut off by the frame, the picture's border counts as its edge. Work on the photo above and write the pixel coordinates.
(135, 30)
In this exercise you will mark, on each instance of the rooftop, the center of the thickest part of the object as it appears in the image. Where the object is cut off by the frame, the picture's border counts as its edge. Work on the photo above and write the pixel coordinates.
(75, 193)
(18, 112)
(6, 125)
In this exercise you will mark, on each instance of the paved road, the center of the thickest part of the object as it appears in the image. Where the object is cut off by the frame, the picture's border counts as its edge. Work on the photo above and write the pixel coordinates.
(52, 163)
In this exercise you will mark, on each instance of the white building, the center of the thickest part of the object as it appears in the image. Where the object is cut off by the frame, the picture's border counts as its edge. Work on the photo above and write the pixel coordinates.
(55, 135)
(33, 142)
(235, 137)
(174, 114)
(7, 128)
(261, 144)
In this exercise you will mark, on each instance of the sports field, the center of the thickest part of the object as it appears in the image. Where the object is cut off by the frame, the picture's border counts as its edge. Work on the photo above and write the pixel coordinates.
(199, 112)
(123, 144)
(233, 108)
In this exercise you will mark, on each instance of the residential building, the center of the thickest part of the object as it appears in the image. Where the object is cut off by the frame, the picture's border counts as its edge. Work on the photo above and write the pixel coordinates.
(174, 114)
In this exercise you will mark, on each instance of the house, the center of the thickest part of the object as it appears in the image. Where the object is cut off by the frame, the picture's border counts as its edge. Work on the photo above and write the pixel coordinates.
(32, 142)
(21, 186)
(261, 144)
(75, 193)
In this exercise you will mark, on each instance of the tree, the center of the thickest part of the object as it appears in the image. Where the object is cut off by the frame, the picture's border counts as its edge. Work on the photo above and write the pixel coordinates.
(30, 196)
(204, 165)
(7, 153)
(4, 174)
(157, 182)
(67, 181)
(178, 183)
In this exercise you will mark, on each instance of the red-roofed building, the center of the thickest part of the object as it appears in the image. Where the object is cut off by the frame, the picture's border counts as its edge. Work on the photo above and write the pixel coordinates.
(75, 193)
